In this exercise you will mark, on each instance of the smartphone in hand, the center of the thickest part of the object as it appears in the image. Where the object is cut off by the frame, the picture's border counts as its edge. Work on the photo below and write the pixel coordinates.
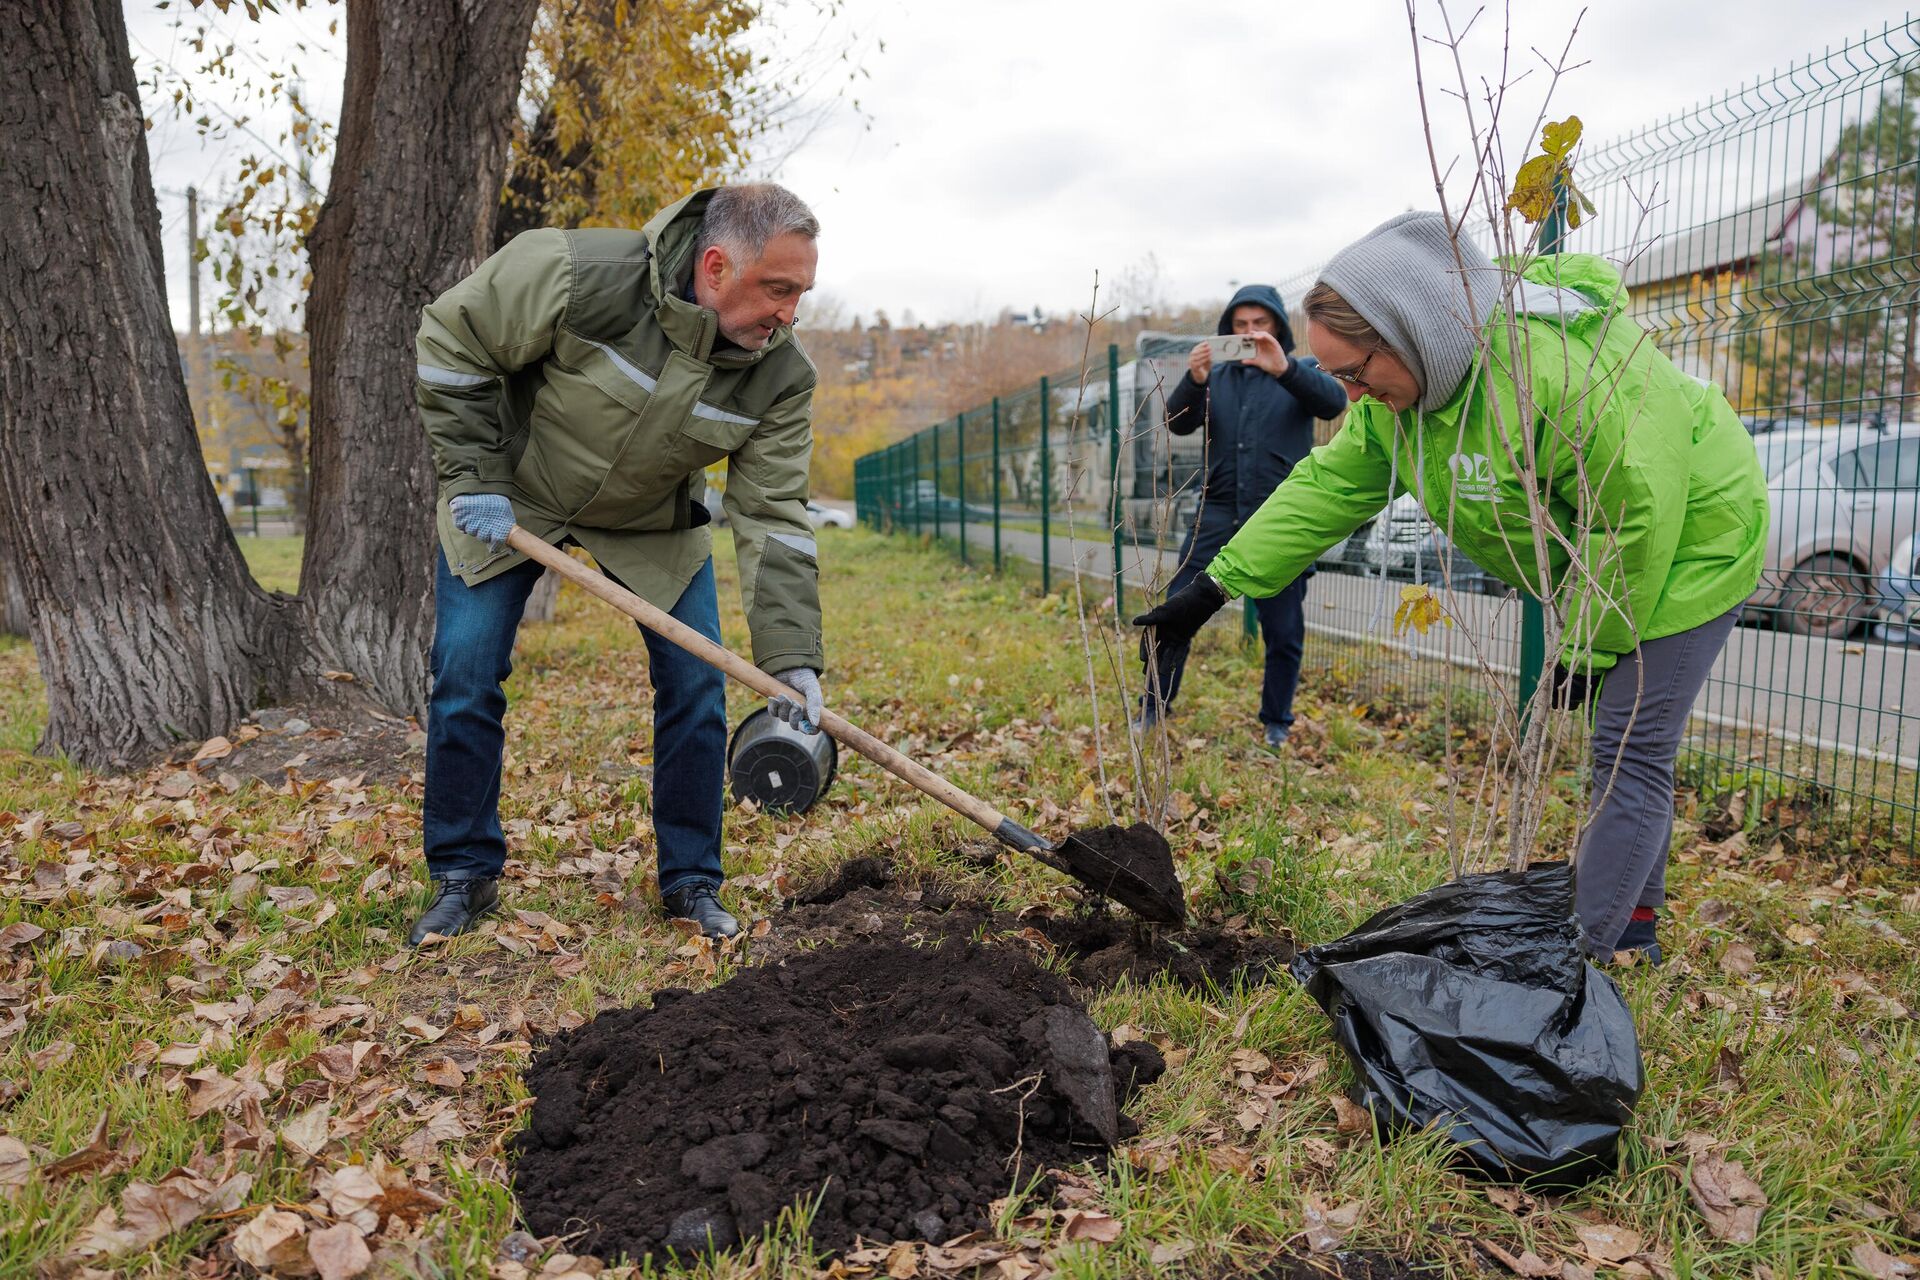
(1232, 346)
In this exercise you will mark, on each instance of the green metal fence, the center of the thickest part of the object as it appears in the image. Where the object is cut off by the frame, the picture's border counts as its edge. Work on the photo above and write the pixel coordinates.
(1036, 473)
(1770, 240)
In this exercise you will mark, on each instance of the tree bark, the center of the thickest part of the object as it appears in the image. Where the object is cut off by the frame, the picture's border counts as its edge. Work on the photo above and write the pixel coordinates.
(410, 208)
(15, 619)
(542, 599)
(148, 626)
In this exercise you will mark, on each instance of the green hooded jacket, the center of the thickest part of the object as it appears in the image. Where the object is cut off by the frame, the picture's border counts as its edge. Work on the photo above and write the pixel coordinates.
(570, 374)
(1678, 528)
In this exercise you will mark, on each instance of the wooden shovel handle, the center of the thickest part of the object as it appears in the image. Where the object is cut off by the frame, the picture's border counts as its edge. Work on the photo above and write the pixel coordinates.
(661, 623)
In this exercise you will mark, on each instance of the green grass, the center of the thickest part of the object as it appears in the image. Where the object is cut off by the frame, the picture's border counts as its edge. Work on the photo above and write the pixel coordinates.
(1824, 1109)
(275, 561)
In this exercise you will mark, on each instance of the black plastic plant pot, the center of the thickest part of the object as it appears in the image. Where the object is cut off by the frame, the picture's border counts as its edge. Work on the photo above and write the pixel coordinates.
(777, 767)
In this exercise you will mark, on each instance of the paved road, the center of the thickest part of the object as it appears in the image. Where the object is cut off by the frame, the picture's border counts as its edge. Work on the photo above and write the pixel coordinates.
(1858, 699)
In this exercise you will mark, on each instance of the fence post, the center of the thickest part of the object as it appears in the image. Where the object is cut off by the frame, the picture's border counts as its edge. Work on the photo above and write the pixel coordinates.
(1533, 618)
(937, 495)
(1046, 492)
(1114, 508)
(916, 484)
(996, 484)
(960, 455)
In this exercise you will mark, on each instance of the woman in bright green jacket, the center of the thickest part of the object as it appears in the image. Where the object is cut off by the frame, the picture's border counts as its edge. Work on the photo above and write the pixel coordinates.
(1651, 508)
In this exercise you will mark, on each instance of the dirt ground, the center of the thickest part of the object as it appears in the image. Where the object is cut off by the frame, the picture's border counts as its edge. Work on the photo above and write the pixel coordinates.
(882, 1058)
(869, 898)
(898, 1090)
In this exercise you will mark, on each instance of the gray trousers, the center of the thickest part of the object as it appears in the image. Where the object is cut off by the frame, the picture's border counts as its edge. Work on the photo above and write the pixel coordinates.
(1639, 718)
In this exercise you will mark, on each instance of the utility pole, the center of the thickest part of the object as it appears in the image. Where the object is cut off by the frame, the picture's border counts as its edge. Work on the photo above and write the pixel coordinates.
(197, 389)
(199, 386)
(193, 265)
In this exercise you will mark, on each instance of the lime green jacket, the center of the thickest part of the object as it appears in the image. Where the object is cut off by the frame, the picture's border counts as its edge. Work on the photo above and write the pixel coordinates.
(1644, 473)
(570, 374)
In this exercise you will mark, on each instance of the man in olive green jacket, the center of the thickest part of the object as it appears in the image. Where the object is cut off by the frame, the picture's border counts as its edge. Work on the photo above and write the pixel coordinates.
(578, 384)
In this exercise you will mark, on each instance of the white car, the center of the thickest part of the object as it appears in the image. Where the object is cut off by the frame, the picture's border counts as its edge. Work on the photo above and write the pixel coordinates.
(1900, 596)
(1403, 543)
(1843, 499)
(828, 517)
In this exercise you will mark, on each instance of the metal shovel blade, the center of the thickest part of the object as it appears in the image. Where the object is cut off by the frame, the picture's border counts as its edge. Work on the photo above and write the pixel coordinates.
(1132, 865)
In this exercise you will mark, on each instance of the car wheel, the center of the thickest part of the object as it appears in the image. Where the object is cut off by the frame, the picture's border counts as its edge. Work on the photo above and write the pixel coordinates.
(1825, 596)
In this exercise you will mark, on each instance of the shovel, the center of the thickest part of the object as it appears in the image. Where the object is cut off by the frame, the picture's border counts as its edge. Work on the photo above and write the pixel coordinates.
(1133, 866)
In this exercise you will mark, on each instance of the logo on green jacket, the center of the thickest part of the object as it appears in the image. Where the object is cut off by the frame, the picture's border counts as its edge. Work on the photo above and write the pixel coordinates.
(1472, 476)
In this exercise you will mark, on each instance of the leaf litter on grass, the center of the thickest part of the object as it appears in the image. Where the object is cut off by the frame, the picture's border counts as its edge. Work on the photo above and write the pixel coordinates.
(147, 966)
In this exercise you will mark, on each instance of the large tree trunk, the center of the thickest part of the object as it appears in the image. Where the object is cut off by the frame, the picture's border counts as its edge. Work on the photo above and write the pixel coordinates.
(15, 619)
(148, 626)
(543, 599)
(410, 207)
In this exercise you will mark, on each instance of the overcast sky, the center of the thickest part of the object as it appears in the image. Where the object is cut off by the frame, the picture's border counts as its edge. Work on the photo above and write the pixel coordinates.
(1006, 150)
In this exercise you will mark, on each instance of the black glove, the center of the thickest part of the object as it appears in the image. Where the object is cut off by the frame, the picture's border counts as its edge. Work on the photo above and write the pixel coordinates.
(1570, 688)
(1178, 619)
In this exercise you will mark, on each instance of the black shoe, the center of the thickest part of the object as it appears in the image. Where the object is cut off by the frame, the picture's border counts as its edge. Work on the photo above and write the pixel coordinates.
(701, 904)
(456, 907)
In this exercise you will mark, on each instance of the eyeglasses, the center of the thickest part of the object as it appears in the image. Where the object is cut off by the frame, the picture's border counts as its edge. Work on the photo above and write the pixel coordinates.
(1357, 376)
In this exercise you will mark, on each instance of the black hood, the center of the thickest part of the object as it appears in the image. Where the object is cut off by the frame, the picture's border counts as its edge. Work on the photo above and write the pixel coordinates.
(1264, 295)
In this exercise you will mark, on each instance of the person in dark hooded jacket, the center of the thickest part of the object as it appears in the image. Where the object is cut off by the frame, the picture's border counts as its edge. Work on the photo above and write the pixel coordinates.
(1258, 415)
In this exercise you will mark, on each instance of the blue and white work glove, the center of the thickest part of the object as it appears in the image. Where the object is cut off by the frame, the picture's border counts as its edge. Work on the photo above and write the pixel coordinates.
(486, 516)
(805, 718)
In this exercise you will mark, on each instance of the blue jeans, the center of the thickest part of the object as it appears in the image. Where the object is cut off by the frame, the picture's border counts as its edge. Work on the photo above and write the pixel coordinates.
(473, 631)
(1283, 625)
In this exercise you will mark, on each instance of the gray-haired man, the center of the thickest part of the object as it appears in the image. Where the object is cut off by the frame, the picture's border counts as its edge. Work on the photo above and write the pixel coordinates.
(578, 384)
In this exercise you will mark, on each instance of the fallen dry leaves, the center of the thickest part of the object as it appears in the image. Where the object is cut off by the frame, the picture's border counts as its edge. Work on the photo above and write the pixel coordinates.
(275, 1242)
(1328, 1228)
(398, 1096)
(149, 1212)
(1526, 1263)
(1881, 1265)
(1607, 1243)
(1729, 1200)
(16, 1162)
(1350, 1116)
(339, 1252)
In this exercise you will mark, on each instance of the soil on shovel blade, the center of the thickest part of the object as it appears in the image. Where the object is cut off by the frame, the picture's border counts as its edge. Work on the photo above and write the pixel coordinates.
(869, 898)
(904, 1088)
(1132, 865)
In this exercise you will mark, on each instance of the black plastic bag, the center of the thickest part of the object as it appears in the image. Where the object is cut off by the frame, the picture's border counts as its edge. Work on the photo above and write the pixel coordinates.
(1472, 1008)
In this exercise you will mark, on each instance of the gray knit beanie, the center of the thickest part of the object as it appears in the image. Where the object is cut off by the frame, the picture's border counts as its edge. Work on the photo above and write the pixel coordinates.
(1403, 277)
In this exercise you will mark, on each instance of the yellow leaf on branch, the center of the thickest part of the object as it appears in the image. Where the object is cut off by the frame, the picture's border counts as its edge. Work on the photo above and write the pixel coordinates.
(1536, 185)
(1419, 609)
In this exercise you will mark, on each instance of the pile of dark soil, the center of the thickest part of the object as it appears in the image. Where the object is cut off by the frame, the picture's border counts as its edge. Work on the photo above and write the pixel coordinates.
(869, 899)
(901, 1088)
(1103, 950)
